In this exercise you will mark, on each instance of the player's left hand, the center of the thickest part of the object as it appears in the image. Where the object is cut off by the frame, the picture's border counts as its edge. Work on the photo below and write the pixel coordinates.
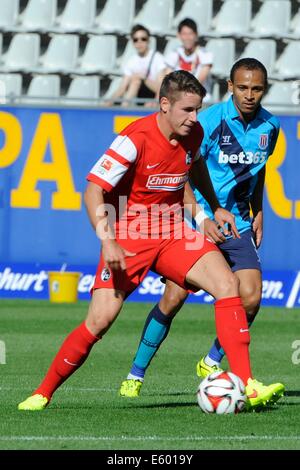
(223, 217)
(257, 227)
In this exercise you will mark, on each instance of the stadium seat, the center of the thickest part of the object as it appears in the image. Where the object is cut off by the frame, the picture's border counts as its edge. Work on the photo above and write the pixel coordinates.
(171, 45)
(128, 52)
(22, 54)
(39, 15)
(233, 18)
(295, 27)
(224, 53)
(9, 11)
(116, 17)
(83, 91)
(99, 55)
(113, 86)
(263, 50)
(10, 87)
(42, 89)
(78, 15)
(283, 94)
(288, 66)
(273, 19)
(199, 10)
(61, 55)
(157, 16)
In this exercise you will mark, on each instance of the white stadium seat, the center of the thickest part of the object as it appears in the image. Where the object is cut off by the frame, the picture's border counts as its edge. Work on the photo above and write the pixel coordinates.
(113, 86)
(157, 16)
(61, 54)
(22, 54)
(273, 19)
(199, 10)
(78, 15)
(99, 56)
(9, 11)
(224, 53)
(171, 45)
(233, 18)
(295, 26)
(116, 17)
(83, 91)
(263, 50)
(42, 89)
(39, 15)
(283, 94)
(10, 87)
(288, 64)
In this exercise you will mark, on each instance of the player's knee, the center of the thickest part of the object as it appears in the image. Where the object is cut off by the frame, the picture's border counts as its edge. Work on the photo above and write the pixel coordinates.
(251, 297)
(100, 325)
(229, 287)
(99, 320)
(172, 300)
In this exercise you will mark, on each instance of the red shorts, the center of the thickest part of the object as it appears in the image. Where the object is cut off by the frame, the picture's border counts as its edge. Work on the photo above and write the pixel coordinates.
(171, 258)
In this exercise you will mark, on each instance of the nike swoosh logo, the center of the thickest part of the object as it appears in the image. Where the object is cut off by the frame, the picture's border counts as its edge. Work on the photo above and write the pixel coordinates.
(253, 395)
(70, 363)
(152, 166)
(243, 330)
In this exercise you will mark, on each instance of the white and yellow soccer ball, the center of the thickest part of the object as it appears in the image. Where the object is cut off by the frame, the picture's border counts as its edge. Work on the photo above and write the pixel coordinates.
(221, 393)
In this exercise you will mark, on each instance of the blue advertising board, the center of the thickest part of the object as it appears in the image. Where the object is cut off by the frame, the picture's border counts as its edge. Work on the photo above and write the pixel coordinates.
(30, 281)
(45, 155)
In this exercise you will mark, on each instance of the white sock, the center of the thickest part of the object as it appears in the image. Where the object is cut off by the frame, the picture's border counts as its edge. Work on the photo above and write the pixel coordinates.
(135, 377)
(210, 362)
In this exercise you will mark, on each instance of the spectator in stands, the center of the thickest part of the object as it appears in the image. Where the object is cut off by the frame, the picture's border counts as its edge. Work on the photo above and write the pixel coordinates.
(190, 56)
(144, 71)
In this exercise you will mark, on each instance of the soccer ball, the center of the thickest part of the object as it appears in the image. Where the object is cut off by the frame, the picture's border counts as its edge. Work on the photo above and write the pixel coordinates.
(221, 393)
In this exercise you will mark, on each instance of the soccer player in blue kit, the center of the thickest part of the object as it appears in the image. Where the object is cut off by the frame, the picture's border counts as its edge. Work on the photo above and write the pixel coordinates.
(239, 137)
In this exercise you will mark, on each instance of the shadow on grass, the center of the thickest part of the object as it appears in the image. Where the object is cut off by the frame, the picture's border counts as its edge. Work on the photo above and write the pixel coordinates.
(290, 403)
(166, 405)
(170, 394)
(292, 393)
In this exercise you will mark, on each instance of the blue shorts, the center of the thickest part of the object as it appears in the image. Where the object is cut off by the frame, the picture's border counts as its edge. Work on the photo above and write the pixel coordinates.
(241, 253)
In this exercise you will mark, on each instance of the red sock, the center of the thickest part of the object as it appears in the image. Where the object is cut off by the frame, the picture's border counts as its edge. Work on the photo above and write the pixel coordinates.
(233, 334)
(72, 354)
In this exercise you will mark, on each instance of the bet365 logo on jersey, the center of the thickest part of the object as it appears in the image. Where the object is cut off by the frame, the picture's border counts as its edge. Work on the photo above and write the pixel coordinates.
(247, 158)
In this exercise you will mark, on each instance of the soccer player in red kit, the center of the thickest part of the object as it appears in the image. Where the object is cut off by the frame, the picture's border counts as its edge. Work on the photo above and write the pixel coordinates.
(148, 165)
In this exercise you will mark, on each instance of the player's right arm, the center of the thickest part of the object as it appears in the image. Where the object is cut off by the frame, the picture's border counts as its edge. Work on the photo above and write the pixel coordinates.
(104, 177)
(113, 254)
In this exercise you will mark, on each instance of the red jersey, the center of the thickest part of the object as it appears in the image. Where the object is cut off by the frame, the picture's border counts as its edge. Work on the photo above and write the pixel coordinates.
(144, 166)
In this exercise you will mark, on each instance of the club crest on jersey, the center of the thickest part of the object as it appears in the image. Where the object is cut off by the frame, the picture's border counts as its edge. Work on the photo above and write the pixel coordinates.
(188, 157)
(105, 274)
(263, 141)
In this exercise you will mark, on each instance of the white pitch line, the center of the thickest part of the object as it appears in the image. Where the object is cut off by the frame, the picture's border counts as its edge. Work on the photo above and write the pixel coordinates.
(148, 438)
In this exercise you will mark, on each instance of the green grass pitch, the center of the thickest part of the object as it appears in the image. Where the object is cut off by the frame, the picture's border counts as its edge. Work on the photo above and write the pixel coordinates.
(87, 413)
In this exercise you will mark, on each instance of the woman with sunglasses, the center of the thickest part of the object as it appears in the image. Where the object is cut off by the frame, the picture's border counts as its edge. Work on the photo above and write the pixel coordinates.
(143, 73)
